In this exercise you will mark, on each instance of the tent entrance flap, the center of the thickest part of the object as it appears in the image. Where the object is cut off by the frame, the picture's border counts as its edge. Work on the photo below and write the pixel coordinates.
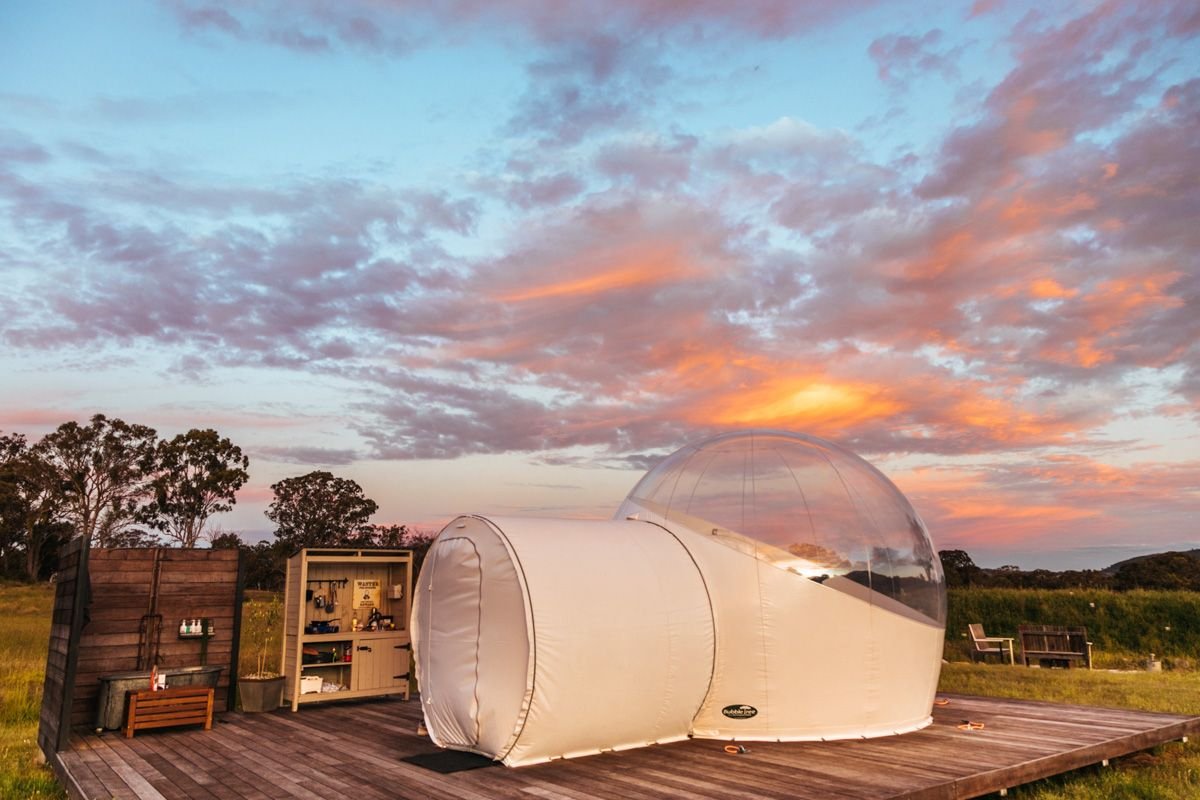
(455, 589)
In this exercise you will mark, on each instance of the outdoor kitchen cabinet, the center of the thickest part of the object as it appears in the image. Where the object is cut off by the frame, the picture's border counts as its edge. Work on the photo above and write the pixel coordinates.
(319, 643)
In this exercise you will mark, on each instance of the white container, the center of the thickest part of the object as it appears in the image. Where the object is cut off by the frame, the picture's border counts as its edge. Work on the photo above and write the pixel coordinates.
(310, 684)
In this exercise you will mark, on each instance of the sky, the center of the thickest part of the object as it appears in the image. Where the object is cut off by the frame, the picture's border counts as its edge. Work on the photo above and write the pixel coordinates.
(503, 257)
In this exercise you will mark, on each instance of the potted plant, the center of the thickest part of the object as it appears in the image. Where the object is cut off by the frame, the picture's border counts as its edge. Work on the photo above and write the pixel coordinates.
(262, 689)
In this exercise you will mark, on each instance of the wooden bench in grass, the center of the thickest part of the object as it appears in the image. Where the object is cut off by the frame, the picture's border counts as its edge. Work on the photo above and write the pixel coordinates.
(1055, 644)
(183, 705)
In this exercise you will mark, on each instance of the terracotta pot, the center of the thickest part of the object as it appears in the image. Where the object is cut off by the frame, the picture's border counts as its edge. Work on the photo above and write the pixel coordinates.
(260, 694)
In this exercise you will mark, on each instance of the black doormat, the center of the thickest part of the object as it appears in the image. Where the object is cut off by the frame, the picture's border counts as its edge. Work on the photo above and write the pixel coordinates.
(447, 761)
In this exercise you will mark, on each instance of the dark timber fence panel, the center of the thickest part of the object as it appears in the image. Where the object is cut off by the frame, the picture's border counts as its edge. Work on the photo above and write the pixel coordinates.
(70, 607)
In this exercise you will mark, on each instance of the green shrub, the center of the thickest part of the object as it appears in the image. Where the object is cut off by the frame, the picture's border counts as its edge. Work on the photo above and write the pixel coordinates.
(262, 634)
(1123, 626)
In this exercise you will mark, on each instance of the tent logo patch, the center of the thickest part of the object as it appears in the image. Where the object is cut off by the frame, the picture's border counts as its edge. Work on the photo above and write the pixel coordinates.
(739, 711)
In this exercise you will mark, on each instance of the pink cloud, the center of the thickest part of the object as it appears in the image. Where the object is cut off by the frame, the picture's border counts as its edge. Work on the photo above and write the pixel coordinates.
(640, 301)
(1031, 503)
(900, 58)
(376, 25)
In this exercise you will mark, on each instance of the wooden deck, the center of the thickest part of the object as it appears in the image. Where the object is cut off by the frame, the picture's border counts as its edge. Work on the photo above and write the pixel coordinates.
(353, 750)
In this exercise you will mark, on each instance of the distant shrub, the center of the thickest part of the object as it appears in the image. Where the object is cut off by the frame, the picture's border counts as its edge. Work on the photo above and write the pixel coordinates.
(1133, 623)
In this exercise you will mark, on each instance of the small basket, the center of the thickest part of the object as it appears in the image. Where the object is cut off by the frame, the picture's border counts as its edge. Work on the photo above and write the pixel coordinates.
(310, 684)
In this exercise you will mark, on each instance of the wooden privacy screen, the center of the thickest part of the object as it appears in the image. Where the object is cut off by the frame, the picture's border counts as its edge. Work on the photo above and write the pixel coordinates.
(129, 621)
(54, 726)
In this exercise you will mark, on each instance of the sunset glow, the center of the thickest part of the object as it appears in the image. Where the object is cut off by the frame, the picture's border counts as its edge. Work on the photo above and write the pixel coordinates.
(801, 404)
(501, 257)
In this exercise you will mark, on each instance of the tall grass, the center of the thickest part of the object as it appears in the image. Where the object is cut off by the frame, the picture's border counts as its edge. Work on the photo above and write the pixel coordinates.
(24, 639)
(1125, 627)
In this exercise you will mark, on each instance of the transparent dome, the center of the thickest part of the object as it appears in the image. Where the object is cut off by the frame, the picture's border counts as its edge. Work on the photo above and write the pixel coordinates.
(803, 505)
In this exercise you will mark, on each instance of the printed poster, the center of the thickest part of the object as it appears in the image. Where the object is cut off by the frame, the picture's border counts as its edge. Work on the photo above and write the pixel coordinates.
(366, 594)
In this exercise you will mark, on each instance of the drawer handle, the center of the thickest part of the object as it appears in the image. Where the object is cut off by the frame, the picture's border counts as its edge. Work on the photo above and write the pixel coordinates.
(365, 647)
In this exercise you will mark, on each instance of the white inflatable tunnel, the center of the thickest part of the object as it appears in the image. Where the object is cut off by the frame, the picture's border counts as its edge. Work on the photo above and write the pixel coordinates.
(758, 586)
(539, 639)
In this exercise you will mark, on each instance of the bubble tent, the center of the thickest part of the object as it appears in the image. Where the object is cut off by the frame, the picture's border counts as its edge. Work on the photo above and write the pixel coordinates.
(799, 503)
(760, 585)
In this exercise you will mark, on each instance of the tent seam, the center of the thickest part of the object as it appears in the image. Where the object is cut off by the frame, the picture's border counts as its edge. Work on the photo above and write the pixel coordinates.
(512, 551)
(712, 669)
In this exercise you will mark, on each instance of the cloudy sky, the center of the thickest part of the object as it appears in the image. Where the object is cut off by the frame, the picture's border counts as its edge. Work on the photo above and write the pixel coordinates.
(500, 257)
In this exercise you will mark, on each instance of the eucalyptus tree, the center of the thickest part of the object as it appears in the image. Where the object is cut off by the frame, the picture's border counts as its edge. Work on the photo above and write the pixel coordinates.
(197, 474)
(103, 472)
(319, 509)
(30, 525)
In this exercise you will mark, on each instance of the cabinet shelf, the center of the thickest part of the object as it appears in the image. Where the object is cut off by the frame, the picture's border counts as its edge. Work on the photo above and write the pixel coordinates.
(375, 580)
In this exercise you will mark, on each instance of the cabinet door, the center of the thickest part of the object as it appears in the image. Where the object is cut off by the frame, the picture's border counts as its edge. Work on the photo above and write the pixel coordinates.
(380, 664)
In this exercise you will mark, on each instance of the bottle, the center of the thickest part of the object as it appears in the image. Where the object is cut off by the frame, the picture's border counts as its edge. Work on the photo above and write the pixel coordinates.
(354, 623)
(183, 627)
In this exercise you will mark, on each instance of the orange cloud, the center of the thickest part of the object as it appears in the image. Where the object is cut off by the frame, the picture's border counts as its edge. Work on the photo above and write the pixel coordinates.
(611, 272)
(946, 254)
(1108, 312)
(1003, 421)
(594, 284)
(1087, 355)
(980, 507)
(1024, 214)
(1007, 520)
(802, 401)
(1050, 289)
(1119, 300)
(1064, 498)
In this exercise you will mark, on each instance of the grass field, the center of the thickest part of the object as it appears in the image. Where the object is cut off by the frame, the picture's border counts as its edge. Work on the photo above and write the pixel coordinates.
(24, 637)
(1170, 772)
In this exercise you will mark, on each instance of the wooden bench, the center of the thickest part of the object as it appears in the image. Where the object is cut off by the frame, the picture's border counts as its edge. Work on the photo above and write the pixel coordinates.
(183, 705)
(1054, 645)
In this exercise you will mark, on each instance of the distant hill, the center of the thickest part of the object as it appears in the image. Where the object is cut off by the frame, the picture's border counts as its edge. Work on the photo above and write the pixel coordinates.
(1117, 566)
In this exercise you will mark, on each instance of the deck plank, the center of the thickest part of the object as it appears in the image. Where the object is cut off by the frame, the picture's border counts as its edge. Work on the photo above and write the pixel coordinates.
(354, 749)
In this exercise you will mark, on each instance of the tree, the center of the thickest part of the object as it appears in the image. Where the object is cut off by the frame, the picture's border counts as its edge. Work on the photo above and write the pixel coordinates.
(197, 474)
(31, 529)
(1171, 570)
(264, 564)
(419, 541)
(103, 471)
(225, 540)
(958, 567)
(378, 536)
(320, 510)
